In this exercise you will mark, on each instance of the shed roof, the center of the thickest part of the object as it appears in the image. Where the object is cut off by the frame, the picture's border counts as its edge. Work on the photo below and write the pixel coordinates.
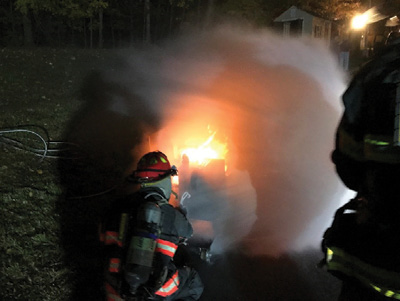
(294, 13)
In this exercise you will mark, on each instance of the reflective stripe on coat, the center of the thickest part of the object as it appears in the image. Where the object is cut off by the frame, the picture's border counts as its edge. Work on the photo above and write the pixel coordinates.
(170, 286)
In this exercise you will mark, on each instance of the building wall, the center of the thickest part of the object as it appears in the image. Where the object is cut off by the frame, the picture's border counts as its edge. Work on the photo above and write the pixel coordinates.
(311, 26)
(308, 26)
(321, 29)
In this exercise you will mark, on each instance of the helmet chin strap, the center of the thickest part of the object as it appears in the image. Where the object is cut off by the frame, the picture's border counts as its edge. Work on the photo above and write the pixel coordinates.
(175, 194)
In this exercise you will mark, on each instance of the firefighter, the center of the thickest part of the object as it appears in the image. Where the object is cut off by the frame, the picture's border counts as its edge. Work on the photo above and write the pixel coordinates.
(361, 245)
(141, 235)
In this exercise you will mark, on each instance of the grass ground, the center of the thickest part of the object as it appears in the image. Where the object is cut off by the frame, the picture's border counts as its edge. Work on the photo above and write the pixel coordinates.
(47, 247)
(39, 93)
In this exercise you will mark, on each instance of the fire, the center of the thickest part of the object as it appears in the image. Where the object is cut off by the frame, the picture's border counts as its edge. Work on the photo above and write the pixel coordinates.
(207, 151)
(202, 154)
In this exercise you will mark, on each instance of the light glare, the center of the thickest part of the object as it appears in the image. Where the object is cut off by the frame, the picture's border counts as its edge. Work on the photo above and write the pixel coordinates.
(360, 21)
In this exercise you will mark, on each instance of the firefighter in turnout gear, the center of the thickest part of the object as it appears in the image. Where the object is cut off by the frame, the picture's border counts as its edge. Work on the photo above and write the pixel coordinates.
(361, 245)
(141, 234)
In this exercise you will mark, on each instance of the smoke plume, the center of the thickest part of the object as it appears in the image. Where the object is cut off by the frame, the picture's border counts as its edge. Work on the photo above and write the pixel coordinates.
(275, 102)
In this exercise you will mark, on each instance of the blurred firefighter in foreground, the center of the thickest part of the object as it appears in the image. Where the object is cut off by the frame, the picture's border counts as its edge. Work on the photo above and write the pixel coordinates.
(142, 233)
(362, 245)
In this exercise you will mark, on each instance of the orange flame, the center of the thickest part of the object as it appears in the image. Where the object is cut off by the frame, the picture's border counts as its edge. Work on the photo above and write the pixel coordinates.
(201, 155)
(207, 151)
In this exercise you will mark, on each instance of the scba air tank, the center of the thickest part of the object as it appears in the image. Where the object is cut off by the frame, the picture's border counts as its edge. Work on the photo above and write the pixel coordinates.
(142, 246)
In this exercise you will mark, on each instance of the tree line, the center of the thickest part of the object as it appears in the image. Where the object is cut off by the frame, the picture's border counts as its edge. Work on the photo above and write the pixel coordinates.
(121, 23)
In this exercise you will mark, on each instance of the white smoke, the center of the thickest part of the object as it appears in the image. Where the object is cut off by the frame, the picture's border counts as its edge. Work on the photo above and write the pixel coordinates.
(277, 100)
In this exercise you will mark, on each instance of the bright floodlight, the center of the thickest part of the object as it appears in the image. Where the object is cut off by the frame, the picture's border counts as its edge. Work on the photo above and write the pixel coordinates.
(359, 21)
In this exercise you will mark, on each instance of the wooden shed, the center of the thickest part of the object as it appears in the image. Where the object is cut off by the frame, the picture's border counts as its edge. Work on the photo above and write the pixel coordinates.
(297, 22)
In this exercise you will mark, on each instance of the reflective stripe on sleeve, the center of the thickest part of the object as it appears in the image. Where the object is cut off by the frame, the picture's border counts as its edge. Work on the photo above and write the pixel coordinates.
(166, 247)
(112, 294)
(169, 287)
(114, 265)
(111, 238)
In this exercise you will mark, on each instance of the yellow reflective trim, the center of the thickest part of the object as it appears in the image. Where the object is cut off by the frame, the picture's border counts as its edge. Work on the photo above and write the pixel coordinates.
(376, 142)
(329, 254)
(364, 272)
(163, 160)
(380, 140)
(387, 293)
(379, 148)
